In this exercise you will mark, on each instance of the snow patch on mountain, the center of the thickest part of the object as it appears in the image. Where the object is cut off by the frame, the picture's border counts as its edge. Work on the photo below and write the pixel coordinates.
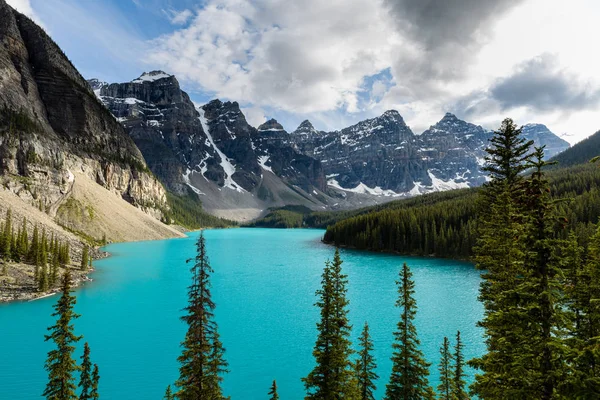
(262, 161)
(186, 179)
(364, 189)
(226, 164)
(151, 76)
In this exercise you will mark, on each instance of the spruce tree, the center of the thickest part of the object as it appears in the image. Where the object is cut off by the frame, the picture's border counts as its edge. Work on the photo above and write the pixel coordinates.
(585, 382)
(445, 387)
(168, 394)
(202, 357)
(500, 252)
(217, 365)
(332, 376)
(365, 366)
(273, 392)
(6, 236)
(85, 380)
(543, 351)
(32, 257)
(60, 364)
(84, 258)
(409, 369)
(458, 381)
(94, 394)
(43, 281)
(23, 241)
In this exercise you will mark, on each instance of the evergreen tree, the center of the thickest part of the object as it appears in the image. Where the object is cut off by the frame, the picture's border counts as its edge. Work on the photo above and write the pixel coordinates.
(217, 365)
(585, 383)
(34, 248)
(60, 364)
(445, 368)
(85, 381)
(168, 394)
(500, 252)
(332, 376)
(458, 381)
(54, 266)
(273, 392)
(43, 282)
(365, 367)
(94, 394)
(23, 241)
(409, 369)
(202, 357)
(543, 351)
(84, 258)
(6, 236)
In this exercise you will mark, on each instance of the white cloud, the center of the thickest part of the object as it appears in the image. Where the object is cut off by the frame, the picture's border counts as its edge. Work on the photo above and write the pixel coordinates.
(254, 115)
(311, 58)
(178, 17)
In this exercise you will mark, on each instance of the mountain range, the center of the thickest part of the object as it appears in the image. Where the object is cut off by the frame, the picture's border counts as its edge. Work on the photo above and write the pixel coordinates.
(66, 141)
(238, 170)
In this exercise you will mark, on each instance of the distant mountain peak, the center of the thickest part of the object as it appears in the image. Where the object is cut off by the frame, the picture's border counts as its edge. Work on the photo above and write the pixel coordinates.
(152, 76)
(449, 117)
(394, 114)
(306, 124)
(271, 125)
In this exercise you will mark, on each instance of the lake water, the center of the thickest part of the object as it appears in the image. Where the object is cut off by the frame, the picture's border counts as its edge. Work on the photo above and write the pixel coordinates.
(263, 285)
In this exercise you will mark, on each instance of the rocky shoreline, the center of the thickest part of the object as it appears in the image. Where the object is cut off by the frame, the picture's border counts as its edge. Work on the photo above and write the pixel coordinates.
(19, 283)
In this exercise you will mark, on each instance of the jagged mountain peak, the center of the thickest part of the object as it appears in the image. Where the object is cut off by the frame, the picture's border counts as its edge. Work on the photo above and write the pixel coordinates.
(392, 115)
(450, 117)
(152, 76)
(540, 134)
(305, 128)
(271, 125)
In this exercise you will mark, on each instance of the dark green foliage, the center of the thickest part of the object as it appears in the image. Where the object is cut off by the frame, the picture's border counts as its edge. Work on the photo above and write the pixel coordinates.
(273, 392)
(187, 211)
(409, 368)
(60, 364)
(14, 121)
(94, 394)
(168, 394)
(202, 362)
(444, 389)
(280, 219)
(85, 380)
(332, 376)
(365, 367)
(85, 258)
(584, 294)
(7, 237)
(458, 376)
(581, 152)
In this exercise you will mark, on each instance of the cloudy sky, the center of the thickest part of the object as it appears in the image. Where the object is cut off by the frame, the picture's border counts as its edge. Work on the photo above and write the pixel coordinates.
(336, 62)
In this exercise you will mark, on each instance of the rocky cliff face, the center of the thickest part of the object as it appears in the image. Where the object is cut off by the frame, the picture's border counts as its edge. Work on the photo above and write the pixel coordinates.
(52, 124)
(382, 156)
(211, 149)
(541, 135)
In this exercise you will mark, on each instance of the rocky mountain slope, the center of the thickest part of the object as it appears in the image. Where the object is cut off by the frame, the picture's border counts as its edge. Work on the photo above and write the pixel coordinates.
(236, 170)
(54, 132)
(541, 135)
(383, 157)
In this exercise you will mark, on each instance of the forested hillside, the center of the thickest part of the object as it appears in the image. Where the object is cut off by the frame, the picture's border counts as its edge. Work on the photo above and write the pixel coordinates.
(444, 224)
(580, 153)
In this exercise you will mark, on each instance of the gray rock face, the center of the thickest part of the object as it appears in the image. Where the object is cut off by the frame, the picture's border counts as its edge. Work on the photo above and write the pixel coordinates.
(383, 156)
(541, 135)
(214, 140)
(51, 122)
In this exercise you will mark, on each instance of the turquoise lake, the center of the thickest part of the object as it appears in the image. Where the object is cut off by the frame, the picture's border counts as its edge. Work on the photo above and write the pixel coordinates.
(264, 287)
